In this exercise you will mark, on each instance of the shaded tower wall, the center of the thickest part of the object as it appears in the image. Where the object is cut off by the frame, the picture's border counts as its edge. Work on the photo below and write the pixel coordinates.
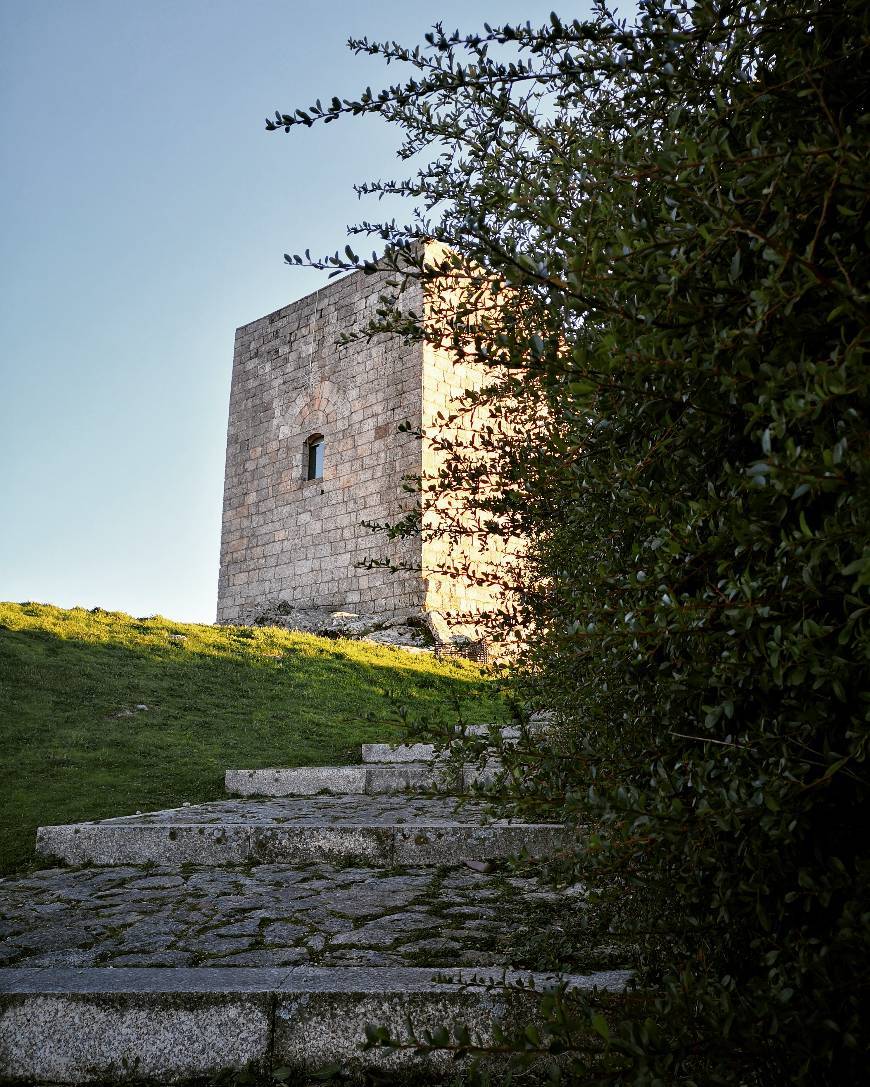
(286, 538)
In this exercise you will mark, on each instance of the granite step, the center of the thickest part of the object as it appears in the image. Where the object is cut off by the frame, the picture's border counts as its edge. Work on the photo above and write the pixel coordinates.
(507, 732)
(373, 830)
(427, 752)
(382, 754)
(167, 1026)
(371, 779)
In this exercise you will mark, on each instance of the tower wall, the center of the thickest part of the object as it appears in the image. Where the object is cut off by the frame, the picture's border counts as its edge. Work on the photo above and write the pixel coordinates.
(478, 557)
(289, 539)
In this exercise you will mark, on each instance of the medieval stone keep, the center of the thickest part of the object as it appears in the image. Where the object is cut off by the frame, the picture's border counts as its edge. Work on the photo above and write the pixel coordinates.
(314, 451)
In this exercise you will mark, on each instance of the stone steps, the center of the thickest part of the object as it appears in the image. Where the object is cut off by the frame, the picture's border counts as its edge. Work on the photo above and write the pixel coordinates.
(374, 830)
(268, 933)
(132, 1026)
(371, 779)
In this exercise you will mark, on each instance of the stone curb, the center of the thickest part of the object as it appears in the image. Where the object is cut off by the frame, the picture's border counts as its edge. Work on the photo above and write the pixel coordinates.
(137, 1025)
(371, 779)
(240, 843)
(426, 752)
(389, 753)
(343, 780)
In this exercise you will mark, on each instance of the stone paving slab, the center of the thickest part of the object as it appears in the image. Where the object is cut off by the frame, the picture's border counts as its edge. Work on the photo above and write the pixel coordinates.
(270, 916)
(132, 1026)
(375, 830)
(371, 779)
(381, 811)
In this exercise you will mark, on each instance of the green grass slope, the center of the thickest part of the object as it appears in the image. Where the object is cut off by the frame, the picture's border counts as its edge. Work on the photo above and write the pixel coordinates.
(74, 745)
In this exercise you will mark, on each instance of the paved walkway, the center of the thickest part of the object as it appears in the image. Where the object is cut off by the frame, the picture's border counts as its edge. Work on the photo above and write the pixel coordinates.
(269, 915)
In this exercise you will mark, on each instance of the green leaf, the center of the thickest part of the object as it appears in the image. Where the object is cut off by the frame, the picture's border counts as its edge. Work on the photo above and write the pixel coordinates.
(599, 1025)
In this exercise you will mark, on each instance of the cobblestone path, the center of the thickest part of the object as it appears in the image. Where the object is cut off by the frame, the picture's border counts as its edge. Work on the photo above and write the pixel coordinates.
(265, 915)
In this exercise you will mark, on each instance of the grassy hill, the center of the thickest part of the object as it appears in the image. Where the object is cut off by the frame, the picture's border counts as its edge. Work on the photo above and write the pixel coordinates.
(102, 714)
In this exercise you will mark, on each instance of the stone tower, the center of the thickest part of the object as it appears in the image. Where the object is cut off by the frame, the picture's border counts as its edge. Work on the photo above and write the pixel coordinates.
(314, 451)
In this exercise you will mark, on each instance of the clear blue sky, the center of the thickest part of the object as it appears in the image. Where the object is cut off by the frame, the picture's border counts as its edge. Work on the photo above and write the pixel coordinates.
(145, 214)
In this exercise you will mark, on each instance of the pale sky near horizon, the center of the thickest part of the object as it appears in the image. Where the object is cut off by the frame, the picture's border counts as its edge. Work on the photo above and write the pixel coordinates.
(145, 214)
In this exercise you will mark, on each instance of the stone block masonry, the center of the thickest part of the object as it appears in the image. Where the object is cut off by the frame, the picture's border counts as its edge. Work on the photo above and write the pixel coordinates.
(303, 542)
(298, 540)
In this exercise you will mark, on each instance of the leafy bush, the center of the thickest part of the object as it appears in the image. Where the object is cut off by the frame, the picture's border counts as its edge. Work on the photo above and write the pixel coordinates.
(658, 244)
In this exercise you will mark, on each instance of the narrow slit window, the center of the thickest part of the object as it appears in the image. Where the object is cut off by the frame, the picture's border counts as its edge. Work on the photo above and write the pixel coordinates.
(315, 446)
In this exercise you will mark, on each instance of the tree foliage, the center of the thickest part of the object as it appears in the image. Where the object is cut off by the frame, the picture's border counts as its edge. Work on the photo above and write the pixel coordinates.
(658, 237)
